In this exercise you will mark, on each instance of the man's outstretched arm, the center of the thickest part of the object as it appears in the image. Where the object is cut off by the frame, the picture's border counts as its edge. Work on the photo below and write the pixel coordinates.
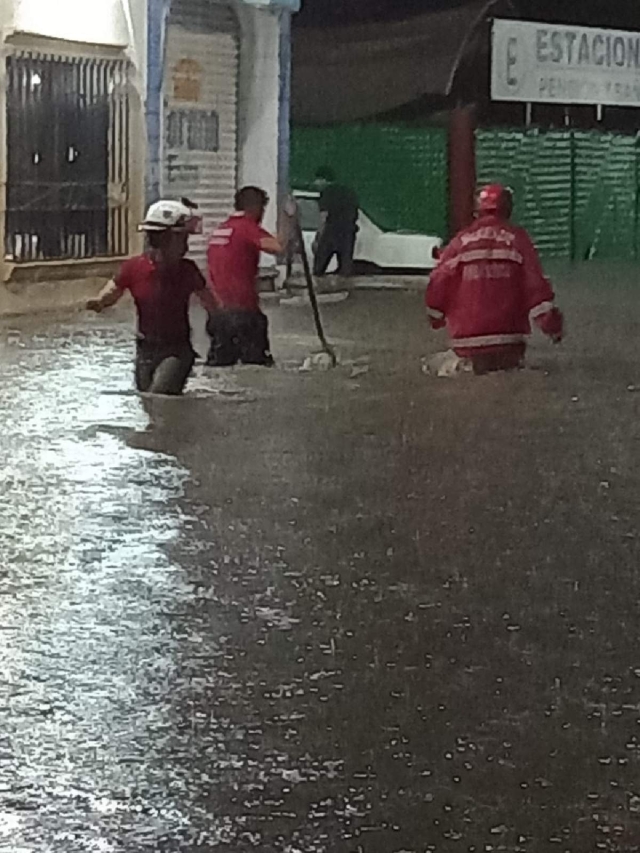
(278, 245)
(108, 296)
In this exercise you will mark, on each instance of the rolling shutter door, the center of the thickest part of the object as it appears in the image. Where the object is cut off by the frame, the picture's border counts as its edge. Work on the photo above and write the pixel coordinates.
(201, 111)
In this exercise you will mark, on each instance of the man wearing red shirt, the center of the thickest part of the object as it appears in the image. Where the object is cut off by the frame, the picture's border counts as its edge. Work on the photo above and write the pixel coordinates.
(161, 282)
(489, 286)
(239, 330)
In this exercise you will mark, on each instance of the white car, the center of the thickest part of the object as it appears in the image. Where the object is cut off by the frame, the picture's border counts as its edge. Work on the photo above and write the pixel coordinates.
(392, 250)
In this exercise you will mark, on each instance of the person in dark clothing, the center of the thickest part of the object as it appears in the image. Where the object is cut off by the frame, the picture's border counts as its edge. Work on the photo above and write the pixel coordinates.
(161, 282)
(340, 208)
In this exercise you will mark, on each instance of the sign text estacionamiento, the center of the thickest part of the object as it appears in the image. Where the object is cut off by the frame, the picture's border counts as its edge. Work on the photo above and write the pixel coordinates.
(575, 50)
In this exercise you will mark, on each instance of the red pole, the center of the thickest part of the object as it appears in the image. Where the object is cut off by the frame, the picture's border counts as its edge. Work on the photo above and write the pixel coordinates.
(462, 168)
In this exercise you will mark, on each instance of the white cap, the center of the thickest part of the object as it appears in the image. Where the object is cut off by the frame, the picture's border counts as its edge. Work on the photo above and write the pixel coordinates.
(168, 214)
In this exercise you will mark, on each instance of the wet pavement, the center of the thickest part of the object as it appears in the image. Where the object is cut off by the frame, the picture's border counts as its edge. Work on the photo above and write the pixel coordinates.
(362, 610)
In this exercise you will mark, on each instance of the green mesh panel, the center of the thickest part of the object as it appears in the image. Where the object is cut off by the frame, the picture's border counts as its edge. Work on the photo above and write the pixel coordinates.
(606, 196)
(538, 167)
(399, 172)
(577, 192)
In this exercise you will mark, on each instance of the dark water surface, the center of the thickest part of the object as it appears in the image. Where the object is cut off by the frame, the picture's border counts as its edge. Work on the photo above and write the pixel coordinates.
(361, 611)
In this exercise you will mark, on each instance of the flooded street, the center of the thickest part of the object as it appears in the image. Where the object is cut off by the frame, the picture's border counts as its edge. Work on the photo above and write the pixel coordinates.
(361, 611)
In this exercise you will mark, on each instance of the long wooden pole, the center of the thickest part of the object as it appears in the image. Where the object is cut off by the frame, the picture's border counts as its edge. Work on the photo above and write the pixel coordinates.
(313, 299)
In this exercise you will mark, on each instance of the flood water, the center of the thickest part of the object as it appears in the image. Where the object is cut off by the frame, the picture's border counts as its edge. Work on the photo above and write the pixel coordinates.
(360, 611)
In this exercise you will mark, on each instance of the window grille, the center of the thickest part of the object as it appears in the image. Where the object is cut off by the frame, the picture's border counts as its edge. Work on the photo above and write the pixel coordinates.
(68, 158)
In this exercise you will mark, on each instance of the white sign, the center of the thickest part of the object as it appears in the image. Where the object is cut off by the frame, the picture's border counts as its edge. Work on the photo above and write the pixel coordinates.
(559, 64)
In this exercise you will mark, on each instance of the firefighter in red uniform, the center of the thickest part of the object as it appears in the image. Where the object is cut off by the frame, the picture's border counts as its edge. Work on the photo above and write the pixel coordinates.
(239, 330)
(489, 286)
(162, 282)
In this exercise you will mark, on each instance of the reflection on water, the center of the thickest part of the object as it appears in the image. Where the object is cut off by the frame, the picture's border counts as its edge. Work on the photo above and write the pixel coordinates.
(131, 718)
(295, 614)
(84, 519)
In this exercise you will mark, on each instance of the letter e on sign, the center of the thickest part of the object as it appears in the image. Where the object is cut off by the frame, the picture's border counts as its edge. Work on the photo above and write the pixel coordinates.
(187, 81)
(542, 46)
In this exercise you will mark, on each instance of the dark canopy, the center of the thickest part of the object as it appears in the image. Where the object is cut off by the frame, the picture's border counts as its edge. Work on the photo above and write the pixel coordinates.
(348, 73)
(353, 59)
(601, 13)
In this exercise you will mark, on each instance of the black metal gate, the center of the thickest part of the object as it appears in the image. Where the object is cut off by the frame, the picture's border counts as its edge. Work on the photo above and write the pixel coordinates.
(68, 157)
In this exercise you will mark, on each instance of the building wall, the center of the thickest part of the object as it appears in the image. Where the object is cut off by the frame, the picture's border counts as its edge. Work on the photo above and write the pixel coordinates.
(102, 27)
(259, 101)
(253, 95)
(99, 28)
(258, 95)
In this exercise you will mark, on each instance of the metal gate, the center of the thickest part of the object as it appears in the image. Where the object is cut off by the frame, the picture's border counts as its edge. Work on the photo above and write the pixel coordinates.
(68, 157)
(201, 111)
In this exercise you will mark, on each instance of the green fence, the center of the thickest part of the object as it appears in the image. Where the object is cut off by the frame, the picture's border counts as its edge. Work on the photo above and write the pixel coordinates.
(400, 172)
(607, 191)
(577, 192)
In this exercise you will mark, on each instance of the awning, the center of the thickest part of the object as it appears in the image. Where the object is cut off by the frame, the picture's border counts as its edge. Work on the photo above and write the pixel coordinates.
(349, 73)
(103, 22)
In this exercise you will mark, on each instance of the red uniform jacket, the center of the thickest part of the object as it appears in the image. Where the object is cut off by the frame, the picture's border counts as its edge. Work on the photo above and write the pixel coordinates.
(488, 286)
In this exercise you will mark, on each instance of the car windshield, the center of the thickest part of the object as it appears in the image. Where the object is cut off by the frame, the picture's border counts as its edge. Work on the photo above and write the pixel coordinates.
(309, 213)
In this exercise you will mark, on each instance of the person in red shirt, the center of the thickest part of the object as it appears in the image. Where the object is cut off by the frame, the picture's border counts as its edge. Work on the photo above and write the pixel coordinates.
(161, 282)
(239, 330)
(489, 286)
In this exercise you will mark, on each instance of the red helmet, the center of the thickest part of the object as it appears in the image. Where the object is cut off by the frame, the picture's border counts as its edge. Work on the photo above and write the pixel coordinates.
(496, 199)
